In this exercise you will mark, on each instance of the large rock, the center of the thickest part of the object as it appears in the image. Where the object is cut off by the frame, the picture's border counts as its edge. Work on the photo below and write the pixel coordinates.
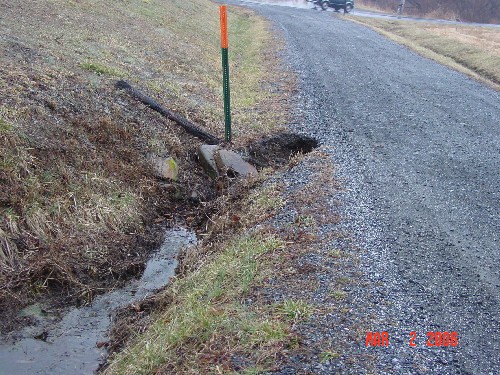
(206, 154)
(229, 161)
(165, 168)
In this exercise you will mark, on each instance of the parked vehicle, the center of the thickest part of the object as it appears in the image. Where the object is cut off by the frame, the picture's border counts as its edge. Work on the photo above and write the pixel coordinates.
(347, 5)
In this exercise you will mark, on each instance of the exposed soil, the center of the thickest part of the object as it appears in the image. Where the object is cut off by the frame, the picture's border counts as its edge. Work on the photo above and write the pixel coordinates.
(278, 149)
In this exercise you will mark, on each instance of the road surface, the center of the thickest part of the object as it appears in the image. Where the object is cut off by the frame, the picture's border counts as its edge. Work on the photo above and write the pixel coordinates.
(419, 147)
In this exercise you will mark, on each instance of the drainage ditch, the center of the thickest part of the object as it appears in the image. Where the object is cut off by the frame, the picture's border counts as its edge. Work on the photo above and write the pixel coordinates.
(75, 343)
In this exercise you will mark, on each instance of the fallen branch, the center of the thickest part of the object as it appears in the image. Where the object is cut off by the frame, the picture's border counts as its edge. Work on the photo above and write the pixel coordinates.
(183, 122)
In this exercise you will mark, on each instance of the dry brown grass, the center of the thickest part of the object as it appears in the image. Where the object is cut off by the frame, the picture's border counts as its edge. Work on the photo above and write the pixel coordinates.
(76, 190)
(472, 50)
(367, 5)
(487, 38)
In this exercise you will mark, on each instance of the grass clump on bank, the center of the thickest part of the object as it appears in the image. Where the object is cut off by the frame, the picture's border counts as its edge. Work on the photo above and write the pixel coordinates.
(471, 50)
(295, 310)
(102, 69)
(4, 126)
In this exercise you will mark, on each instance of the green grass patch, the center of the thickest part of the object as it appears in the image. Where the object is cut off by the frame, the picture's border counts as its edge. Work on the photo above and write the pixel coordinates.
(328, 356)
(269, 199)
(305, 221)
(7, 163)
(102, 69)
(5, 127)
(335, 253)
(263, 202)
(338, 294)
(295, 310)
(206, 318)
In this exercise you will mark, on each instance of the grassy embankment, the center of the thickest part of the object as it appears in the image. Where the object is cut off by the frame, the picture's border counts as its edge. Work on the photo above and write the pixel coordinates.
(77, 193)
(474, 51)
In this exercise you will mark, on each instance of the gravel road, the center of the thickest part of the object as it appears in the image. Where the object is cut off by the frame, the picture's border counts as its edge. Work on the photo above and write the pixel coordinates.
(418, 146)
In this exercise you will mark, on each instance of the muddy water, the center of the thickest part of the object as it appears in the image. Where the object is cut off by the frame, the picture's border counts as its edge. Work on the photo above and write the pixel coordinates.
(70, 347)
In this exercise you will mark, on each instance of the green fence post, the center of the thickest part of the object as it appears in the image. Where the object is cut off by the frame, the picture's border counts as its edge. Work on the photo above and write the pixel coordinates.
(225, 72)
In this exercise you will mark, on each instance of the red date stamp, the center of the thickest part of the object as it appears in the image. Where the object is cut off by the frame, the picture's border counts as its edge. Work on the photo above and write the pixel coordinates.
(434, 339)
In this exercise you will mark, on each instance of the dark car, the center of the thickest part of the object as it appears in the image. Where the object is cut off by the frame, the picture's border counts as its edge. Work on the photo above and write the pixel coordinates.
(347, 5)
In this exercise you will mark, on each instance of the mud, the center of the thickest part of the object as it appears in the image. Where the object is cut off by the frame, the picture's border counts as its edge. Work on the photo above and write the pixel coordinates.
(278, 149)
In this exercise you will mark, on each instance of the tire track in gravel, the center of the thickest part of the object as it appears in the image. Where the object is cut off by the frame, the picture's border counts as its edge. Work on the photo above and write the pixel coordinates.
(419, 147)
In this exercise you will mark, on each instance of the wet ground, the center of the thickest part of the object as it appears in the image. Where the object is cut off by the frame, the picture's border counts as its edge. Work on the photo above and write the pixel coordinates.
(76, 343)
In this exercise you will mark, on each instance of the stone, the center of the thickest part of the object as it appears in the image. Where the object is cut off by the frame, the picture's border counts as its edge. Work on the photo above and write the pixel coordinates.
(33, 311)
(229, 161)
(206, 154)
(165, 168)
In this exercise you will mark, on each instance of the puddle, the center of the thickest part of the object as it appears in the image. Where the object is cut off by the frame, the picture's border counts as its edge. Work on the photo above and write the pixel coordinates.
(68, 346)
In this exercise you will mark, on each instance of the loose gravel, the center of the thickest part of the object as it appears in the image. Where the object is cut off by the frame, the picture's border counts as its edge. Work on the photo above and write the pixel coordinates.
(417, 148)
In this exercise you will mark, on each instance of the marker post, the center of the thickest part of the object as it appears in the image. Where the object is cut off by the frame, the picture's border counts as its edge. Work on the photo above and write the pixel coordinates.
(225, 72)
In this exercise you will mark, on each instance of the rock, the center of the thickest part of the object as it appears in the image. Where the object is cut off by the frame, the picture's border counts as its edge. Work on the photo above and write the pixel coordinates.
(194, 197)
(42, 336)
(165, 168)
(33, 311)
(207, 159)
(229, 161)
(217, 161)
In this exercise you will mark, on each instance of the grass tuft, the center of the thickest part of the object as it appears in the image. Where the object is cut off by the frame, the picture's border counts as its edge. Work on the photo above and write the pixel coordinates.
(335, 253)
(264, 202)
(5, 127)
(328, 356)
(102, 69)
(295, 310)
(338, 294)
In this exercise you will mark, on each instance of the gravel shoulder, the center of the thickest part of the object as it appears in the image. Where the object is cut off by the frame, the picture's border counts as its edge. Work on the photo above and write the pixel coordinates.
(416, 146)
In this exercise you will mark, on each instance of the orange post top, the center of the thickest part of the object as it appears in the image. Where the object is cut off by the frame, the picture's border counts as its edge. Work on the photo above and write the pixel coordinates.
(223, 26)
